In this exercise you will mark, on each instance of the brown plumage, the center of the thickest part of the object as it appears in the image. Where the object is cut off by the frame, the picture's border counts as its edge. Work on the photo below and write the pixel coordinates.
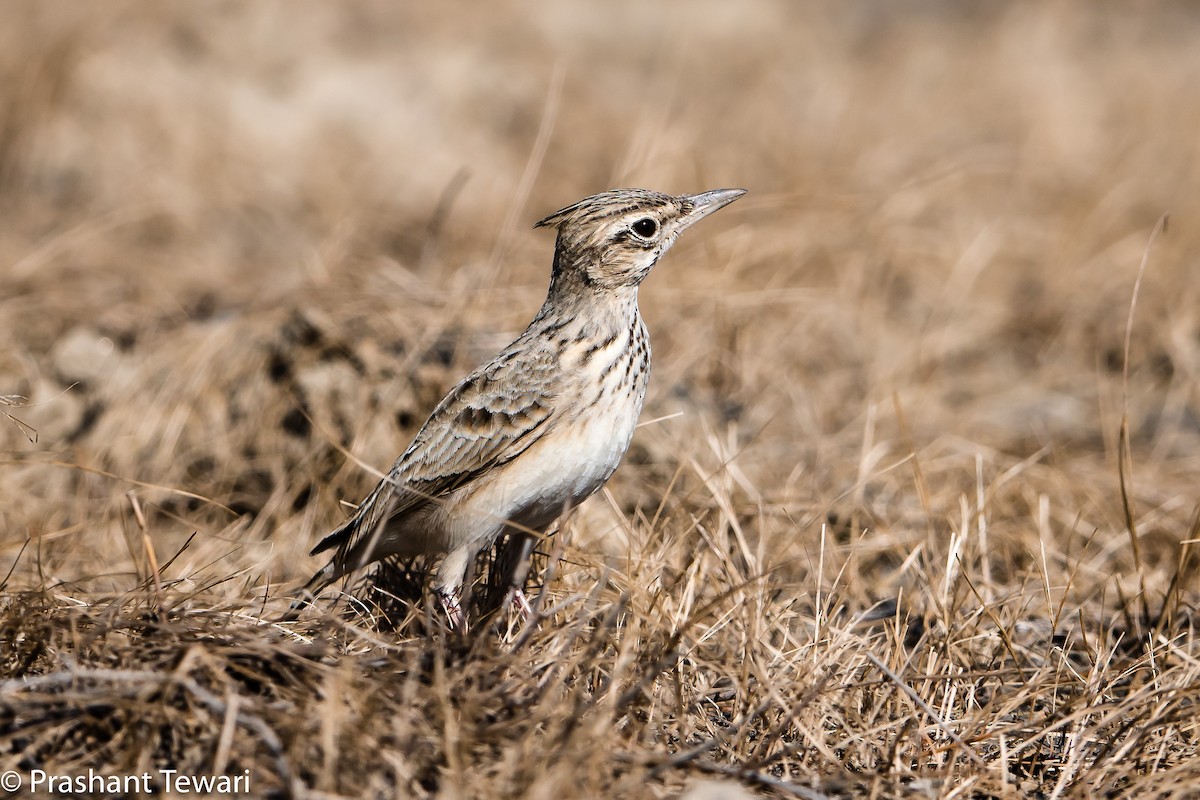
(541, 426)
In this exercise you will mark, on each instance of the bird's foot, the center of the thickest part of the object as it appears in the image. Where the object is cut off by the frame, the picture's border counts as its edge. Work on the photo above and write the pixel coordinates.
(521, 603)
(453, 608)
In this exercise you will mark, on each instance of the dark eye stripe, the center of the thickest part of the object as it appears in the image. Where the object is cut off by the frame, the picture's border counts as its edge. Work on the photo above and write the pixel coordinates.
(625, 236)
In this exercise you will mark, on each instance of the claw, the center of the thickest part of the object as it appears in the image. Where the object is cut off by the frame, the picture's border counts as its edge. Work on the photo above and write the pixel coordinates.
(453, 609)
(521, 604)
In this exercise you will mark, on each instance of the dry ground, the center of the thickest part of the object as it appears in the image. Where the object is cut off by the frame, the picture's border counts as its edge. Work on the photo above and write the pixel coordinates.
(872, 539)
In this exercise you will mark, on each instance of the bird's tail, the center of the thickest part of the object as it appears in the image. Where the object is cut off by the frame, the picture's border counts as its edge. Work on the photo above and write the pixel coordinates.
(341, 539)
(306, 594)
(342, 535)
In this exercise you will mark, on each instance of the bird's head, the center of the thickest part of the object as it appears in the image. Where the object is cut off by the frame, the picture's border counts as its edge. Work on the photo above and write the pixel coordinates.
(613, 239)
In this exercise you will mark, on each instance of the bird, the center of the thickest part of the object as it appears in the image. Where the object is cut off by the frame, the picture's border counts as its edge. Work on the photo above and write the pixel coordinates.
(540, 427)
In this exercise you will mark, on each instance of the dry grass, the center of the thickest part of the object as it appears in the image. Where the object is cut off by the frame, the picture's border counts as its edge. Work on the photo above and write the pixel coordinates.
(873, 540)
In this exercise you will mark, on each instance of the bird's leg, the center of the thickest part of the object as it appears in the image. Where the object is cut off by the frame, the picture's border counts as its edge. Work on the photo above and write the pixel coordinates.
(452, 607)
(516, 564)
(448, 585)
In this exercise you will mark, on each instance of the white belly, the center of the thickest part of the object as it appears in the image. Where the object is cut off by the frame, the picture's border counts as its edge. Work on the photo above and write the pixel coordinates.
(570, 468)
(557, 473)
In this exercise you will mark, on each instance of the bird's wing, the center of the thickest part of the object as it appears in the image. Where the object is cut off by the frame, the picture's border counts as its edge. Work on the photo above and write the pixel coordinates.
(489, 419)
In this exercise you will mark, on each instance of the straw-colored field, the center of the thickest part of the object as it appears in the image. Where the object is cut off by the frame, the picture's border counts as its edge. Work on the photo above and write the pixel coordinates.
(872, 539)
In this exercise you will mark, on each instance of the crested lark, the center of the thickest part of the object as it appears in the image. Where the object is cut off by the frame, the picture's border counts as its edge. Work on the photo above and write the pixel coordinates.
(541, 426)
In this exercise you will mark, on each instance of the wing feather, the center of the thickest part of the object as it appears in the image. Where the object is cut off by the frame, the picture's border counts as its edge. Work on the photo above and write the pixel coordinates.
(490, 418)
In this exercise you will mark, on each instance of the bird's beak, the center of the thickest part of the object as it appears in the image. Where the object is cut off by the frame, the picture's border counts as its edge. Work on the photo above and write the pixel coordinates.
(706, 203)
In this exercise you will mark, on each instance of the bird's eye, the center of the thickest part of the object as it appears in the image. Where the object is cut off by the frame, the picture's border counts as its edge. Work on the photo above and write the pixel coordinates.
(645, 227)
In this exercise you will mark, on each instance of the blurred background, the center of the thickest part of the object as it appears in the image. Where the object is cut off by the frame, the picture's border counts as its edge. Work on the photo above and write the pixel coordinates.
(244, 249)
